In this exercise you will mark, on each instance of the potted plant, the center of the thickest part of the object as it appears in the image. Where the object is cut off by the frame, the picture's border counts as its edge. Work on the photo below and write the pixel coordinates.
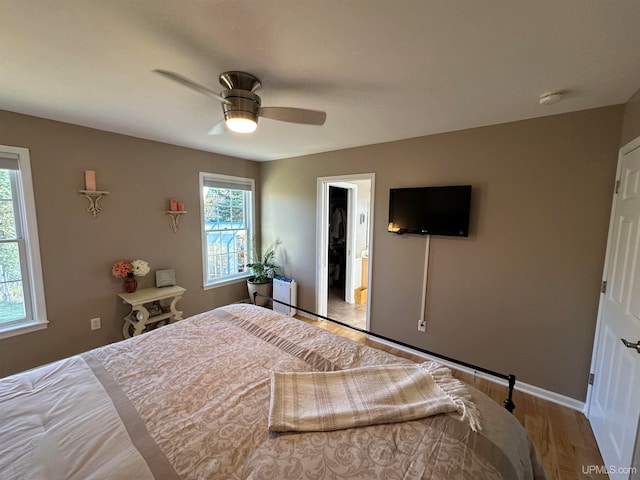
(264, 269)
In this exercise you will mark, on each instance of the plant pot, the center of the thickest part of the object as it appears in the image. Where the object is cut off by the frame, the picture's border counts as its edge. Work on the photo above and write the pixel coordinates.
(265, 288)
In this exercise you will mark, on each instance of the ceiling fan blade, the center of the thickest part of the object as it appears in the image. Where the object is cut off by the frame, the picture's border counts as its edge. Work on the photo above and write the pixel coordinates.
(176, 77)
(294, 115)
(218, 129)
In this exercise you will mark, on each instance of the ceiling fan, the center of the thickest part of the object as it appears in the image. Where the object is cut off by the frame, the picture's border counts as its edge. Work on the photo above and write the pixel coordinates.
(241, 106)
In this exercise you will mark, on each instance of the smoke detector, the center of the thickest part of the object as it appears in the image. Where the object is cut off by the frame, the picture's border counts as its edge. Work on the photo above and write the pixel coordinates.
(550, 98)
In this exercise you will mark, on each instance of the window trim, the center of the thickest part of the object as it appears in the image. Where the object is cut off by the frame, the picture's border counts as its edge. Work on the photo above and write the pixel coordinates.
(29, 222)
(235, 278)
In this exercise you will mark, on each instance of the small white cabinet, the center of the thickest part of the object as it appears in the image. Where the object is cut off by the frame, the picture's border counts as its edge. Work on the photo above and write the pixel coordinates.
(139, 320)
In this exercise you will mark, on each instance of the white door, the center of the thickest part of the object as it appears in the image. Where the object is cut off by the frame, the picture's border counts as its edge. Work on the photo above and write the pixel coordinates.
(614, 402)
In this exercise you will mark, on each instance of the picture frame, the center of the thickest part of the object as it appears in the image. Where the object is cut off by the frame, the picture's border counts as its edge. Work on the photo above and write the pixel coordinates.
(165, 278)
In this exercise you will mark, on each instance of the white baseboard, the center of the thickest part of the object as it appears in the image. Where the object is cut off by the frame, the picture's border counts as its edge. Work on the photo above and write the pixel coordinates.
(307, 316)
(542, 393)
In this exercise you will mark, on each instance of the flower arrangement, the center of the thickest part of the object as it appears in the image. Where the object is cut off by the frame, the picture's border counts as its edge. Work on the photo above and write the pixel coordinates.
(140, 268)
(124, 268)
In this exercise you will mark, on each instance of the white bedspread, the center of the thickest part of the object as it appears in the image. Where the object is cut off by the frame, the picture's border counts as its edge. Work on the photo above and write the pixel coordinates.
(59, 423)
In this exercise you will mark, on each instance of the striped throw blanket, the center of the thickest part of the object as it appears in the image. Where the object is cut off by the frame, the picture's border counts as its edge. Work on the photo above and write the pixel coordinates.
(325, 401)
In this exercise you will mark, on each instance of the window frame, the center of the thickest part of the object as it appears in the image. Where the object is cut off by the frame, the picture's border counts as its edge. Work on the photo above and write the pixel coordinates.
(28, 245)
(240, 181)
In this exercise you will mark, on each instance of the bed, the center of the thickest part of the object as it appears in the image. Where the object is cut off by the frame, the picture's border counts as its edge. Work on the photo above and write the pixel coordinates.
(192, 400)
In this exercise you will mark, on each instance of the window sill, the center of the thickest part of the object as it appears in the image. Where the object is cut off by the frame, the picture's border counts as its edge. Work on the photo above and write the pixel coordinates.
(230, 281)
(14, 330)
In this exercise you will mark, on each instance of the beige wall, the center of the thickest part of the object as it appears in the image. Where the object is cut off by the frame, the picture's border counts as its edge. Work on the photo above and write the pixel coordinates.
(78, 251)
(631, 123)
(528, 275)
(520, 294)
(362, 208)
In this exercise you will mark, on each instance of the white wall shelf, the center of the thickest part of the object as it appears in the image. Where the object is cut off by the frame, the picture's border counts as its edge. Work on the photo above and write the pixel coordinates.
(94, 197)
(175, 219)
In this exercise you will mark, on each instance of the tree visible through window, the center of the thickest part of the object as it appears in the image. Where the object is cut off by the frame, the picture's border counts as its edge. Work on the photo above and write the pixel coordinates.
(12, 306)
(228, 212)
(22, 306)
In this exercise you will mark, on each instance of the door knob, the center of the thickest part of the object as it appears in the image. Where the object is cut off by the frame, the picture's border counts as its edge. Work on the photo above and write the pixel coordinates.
(628, 344)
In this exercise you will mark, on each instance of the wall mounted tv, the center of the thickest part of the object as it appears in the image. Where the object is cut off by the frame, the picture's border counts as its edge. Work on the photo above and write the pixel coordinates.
(430, 210)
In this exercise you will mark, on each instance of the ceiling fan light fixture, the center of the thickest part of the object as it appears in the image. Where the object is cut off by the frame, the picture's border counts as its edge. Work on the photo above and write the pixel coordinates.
(241, 125)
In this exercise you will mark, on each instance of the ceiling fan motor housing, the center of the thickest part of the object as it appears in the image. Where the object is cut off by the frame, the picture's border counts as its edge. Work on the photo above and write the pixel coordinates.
(244, 104)
(239, 80)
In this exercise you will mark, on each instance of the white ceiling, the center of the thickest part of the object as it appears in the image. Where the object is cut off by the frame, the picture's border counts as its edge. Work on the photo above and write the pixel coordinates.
(383, 70)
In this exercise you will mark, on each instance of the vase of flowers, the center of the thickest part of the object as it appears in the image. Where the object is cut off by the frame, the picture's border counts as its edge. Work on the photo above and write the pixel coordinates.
(128, 271)
(130, 283)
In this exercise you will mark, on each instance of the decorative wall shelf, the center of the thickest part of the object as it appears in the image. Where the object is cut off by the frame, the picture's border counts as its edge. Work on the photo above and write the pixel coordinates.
(175, 219)
(94, 197)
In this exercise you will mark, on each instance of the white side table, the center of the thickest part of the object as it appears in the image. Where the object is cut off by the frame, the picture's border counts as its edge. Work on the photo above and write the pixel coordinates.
(139, 319)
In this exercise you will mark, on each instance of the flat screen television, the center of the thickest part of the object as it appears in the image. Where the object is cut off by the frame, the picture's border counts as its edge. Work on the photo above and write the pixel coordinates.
(430, 210)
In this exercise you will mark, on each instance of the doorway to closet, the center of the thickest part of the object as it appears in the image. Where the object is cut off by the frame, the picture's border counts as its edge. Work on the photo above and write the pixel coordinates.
(344, 235)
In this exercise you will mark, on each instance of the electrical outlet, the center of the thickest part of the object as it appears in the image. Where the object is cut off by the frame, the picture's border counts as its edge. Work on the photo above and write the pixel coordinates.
(95, 323)
(422, 326)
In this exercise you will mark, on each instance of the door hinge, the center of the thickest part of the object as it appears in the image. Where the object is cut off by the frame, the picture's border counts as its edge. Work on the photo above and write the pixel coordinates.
(603, 287)
(617, 185)
(591, 377)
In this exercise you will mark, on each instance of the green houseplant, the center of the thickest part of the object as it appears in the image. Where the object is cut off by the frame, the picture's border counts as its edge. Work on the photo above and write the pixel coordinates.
(264, 269)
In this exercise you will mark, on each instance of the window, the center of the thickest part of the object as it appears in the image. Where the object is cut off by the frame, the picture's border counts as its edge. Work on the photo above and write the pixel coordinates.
(227, 227)
(22, 307)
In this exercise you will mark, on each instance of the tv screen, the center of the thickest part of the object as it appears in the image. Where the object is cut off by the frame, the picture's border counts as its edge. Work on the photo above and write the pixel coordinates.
(430, 210)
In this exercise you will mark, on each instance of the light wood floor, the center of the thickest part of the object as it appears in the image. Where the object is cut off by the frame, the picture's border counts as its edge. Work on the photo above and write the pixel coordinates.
(563, 437)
